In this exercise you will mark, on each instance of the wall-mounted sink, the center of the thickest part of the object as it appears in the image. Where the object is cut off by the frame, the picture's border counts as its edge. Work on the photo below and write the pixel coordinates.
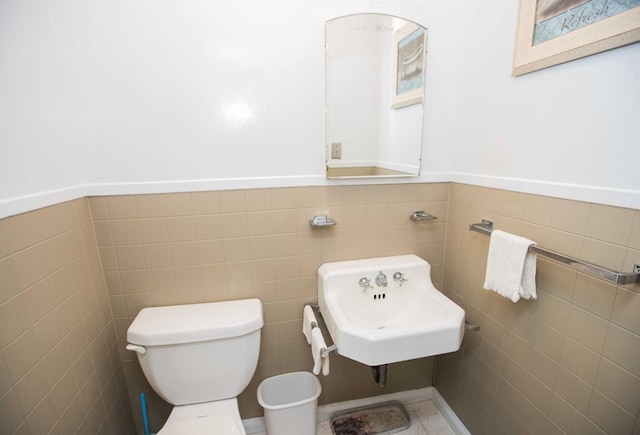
(376, 324)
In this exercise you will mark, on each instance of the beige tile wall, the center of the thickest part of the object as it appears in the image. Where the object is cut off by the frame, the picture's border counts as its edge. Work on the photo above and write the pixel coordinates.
(60, 369)
(568, 362)
(212, 246)
(565, 363)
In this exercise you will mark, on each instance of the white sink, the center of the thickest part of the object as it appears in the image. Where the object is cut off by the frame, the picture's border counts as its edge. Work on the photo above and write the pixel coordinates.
(381, 325)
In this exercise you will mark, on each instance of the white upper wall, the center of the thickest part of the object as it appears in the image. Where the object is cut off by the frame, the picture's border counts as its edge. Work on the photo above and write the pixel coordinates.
(105, 97)
(41, 110)
(565, 131)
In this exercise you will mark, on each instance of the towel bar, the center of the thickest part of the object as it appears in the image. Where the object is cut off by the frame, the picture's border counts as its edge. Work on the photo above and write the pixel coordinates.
(620, 278)
(316, 311)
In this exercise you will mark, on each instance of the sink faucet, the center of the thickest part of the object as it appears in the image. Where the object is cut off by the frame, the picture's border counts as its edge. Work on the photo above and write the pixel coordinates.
(365, 283)
(399, 276)
(381, 279)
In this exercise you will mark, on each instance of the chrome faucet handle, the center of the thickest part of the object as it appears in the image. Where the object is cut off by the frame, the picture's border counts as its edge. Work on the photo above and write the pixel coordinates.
(399, 276)
(365, 283)
(381, 279)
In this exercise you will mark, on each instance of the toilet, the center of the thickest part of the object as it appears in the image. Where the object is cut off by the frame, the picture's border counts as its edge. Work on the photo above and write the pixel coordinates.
(199, 358)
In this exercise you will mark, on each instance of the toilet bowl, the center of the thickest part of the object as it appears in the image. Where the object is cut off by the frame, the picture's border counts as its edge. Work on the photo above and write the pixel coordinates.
(199, 358)
(220, 417)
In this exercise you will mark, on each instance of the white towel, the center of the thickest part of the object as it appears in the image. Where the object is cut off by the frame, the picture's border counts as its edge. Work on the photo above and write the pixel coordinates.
(511, 268)
(317, 344)
(325, 364)
(307, 319)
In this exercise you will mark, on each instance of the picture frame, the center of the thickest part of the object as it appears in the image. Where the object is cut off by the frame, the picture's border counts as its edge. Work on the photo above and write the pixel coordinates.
(409, 60)
(551, 32)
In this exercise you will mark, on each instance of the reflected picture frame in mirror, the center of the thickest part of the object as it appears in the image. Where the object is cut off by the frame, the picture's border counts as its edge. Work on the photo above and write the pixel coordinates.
(410, 54)
(374, 88)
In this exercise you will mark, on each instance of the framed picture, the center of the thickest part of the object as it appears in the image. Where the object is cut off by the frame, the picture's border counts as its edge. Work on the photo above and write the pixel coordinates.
(409, 55)
(551, 32)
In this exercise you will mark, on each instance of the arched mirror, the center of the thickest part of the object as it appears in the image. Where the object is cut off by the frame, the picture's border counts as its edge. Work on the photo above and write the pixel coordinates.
(375, 68)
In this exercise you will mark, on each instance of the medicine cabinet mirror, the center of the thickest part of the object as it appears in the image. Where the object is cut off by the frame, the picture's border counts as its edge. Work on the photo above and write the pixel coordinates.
(375, 67)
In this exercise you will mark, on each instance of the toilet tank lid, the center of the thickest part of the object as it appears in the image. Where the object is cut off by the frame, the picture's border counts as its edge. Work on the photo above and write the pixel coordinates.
(156, 326)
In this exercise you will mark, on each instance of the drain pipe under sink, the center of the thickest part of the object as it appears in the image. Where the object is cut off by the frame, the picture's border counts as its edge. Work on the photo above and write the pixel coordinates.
(380, 374)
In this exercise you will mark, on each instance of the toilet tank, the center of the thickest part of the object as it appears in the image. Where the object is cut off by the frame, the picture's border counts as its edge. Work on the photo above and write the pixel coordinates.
(199, 352)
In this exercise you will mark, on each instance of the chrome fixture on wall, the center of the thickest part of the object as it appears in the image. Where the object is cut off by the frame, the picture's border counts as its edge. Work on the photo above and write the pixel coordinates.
(421, 215)
(471, 326)
(322, 220)
(620, 278)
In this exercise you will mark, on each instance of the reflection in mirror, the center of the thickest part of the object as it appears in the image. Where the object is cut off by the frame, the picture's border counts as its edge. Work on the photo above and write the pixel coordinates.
(374, 92)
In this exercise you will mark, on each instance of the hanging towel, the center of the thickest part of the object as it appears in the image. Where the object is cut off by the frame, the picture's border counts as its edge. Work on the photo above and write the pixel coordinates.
(511, 268)
(317, 344)
(325, 364)
(308, 318)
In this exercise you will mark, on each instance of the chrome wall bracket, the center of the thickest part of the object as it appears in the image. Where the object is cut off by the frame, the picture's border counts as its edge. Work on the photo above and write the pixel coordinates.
(421, 215)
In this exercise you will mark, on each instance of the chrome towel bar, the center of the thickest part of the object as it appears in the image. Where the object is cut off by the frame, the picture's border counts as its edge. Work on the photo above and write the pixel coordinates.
(316, 311)
(620, 278)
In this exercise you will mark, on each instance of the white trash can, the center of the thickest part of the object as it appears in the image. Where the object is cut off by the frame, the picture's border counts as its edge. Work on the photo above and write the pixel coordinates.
(290, 402)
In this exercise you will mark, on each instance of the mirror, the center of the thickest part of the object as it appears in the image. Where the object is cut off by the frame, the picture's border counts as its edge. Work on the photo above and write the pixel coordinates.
(374, 96)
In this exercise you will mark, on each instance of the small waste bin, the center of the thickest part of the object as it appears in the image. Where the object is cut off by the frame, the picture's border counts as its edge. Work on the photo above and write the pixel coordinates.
(290, 401)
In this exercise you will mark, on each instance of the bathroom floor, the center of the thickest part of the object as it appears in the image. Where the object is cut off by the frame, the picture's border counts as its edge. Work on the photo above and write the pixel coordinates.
(426, 419)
